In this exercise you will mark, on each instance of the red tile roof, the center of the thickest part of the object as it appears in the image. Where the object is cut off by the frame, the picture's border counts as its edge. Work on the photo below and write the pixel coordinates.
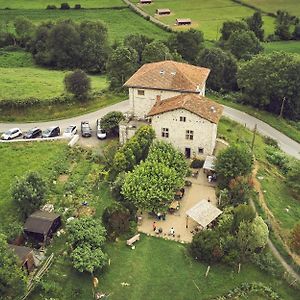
(169, 75)
(199, 105)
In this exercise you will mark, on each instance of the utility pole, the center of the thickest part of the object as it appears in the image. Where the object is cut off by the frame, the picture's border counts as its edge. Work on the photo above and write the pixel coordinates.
(254, 135)
(282, 107)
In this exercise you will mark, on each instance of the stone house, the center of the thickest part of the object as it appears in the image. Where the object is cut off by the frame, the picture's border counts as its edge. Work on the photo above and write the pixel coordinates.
(171, 96)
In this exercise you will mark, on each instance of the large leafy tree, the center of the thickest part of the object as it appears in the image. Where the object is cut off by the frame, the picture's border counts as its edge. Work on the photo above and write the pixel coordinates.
(232, 162)
(12, 278)
(243, 44)
(25, 30)
(255, 24)
(110, 122)
(151, 185)
(122, 63)
(223, 66)
(230, 27)
(187, 43)
(242, 213)
(165, 153)
(267, 79)
(28, 194)
(283, 23)
(155, 51)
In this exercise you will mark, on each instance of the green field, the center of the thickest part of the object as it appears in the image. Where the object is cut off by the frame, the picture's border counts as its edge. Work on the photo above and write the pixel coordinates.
(285, 46)
(120, 22)
(292, 6)
(15, 59)
(22, 83)
(206, 15)
(40, 4)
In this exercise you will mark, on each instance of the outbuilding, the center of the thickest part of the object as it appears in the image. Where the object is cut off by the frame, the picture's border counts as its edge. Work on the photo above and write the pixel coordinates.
(41, 225)
(145, 1)
(163, 11)
(183, 22)
(25, 257)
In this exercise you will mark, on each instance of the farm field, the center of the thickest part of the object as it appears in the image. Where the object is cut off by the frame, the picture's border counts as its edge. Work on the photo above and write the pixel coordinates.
(15, 59)
(156, 269)
(120, 22)
(207, 16)
(21, 83)
(292, 6)
(42, 4)
(285, 46)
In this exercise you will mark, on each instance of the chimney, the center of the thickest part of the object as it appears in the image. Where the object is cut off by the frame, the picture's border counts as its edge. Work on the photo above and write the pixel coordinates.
(158, 99)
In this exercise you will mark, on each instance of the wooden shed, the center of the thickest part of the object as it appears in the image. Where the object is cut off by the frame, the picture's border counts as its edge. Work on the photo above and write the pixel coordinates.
(183, 22)
(163, 11)
(145, 1)
(25, 257)
(41, 225)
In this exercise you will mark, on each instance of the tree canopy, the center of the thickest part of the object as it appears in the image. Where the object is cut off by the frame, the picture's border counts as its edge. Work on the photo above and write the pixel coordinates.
(155, 51)
(230, 27)
(255, 24)
(110, 122)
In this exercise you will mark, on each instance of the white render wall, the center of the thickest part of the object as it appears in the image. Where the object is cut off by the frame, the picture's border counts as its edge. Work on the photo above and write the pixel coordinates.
(141, 105)
(205, 132)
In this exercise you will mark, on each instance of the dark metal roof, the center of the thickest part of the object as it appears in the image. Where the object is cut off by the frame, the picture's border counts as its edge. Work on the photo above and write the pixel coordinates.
(21, 251)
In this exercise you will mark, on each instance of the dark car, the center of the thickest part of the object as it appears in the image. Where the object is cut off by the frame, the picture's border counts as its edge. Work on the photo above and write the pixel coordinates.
(86, 130)
(51, 132)
(32, 133)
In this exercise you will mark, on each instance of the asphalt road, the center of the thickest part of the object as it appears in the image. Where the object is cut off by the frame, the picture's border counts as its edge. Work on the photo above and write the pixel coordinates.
(285, 143)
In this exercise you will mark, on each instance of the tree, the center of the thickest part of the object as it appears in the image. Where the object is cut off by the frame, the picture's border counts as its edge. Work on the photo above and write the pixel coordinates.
(223, 66)
(86, 231)
(187, 43)
(28, 194)
(151, 185)
(78, 83)
(255, 24)
(230, 27)
(165, 153)
(283, 23)
(121, 64)
(110, 122)
(12, 278)
(295, 238)
(25, 30)
(86, 259)
(232, 162)
(296, 33)
(252, 236)
(155, 51)
(243, 44)
(293, 177)
(137, 42)
(267, 79)
(240, 190)
(242, 213)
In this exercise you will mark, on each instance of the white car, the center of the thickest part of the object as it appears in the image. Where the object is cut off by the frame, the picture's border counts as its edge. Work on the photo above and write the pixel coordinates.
(101, 134)
(11, 134)
(70, 131)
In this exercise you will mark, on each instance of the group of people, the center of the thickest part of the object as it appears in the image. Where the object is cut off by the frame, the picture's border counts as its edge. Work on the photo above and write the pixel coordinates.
(159, 230)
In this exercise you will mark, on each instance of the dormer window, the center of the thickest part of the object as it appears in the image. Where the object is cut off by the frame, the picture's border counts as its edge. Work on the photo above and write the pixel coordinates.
(162, 72)
(141, 92)
(182, 119)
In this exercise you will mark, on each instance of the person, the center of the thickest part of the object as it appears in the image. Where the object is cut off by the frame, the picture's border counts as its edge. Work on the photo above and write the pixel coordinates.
(154, 226)
(172, 231)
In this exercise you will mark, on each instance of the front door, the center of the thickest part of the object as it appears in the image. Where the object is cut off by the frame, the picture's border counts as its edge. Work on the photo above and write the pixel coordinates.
(188, 152)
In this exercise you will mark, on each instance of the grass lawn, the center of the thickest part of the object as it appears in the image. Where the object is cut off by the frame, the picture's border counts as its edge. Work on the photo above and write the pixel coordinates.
(206, 15)
(22, 83)
(15, 59)
(292, 6)
(289, 128)
(156, 269)
(120, 22)
(42, 4)
(285, 46)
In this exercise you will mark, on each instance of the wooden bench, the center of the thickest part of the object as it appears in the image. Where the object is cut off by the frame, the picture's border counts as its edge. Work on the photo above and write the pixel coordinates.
(133, 240)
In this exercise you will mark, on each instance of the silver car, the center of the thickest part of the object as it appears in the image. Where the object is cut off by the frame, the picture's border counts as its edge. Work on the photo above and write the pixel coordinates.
(11, 134)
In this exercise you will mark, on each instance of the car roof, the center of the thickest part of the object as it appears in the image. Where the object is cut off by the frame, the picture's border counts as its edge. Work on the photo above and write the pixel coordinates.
(12, 129)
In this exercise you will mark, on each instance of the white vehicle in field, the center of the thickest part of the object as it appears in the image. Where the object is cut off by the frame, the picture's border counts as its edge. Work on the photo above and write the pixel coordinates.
(11, 134)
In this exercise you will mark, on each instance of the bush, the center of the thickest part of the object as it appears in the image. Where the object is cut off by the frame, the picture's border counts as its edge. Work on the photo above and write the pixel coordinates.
(266, 263)
(64, 6)
(271, 142)
(50, 6)
(197, 163)
(77, 6)
(277, 158)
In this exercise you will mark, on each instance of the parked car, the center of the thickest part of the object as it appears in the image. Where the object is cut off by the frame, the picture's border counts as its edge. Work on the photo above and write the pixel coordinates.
(70, 131)
(33, 133)
(86, 130)
(101, 134)
(11, 134)
(51, 132)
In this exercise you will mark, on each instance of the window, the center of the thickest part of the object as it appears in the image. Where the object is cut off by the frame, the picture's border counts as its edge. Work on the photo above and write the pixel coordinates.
(165, 132)
(189, 134)
(200, 150)
(141, 92)
(182, 119)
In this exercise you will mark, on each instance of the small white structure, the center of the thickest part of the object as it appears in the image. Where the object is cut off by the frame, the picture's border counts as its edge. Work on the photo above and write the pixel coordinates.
(203, 213)
(209, 164)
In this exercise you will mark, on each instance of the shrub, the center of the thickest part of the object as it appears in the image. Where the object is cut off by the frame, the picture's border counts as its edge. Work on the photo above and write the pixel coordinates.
(277, 158)
(77, 6)
(64, 6)
(197, 163)
(270, 142)
(266, 263)
(50, 6)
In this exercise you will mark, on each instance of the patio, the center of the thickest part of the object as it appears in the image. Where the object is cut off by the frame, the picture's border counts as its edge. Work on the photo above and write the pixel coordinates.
(200, 189)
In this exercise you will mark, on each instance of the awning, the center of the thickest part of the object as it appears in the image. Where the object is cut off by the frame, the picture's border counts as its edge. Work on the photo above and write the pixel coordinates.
(204, 213)
(209, 163)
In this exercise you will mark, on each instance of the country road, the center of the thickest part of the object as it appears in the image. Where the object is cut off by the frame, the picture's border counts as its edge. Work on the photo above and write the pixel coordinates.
(288, 145)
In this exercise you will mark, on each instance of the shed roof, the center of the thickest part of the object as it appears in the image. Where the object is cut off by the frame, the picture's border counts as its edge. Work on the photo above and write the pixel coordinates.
(163, 10)
(21, 251)
(204, 213)
(169, 75)
(209, 163)
(199, 105)
(40, 222)
(187, 20)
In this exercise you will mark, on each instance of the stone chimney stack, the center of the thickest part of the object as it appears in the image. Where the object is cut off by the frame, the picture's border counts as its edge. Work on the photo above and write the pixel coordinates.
(158, 99)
